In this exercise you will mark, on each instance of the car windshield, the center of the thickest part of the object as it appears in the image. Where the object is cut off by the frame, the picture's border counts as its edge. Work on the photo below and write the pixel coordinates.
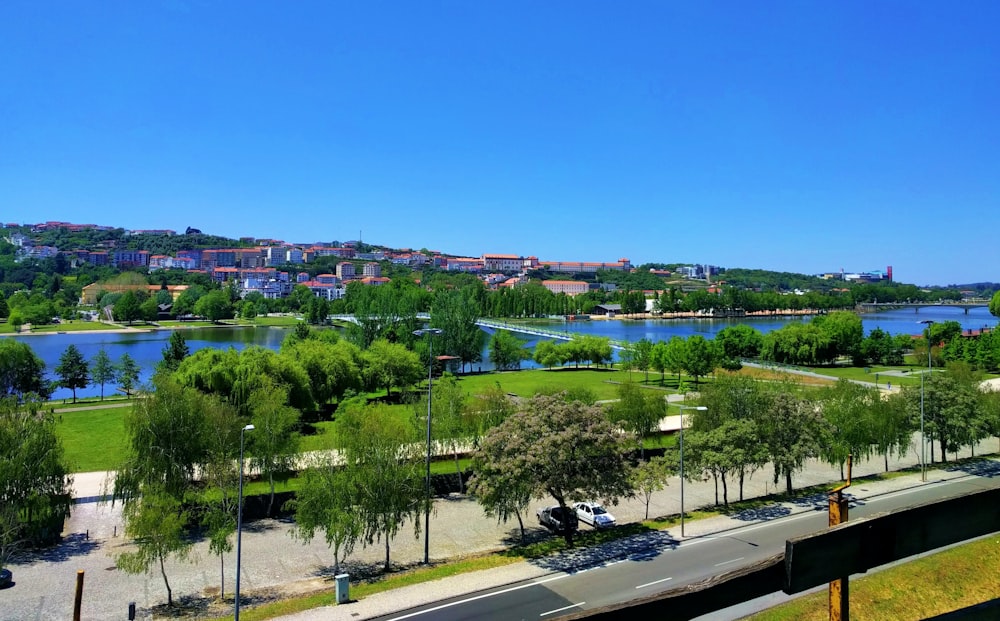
(599, 511)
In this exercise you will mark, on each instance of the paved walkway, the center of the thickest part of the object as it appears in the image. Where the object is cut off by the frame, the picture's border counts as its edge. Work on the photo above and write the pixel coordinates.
(272, 558)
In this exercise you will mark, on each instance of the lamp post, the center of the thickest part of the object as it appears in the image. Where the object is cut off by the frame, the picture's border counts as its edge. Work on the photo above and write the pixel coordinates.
(700, 408)
(430, 370)
(239, 523)
(923, 439)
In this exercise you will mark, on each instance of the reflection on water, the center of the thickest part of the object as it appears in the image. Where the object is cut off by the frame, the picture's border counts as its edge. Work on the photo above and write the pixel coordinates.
(146, 348)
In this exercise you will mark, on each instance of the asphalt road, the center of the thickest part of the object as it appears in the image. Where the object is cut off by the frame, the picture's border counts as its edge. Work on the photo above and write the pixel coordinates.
(660, 563)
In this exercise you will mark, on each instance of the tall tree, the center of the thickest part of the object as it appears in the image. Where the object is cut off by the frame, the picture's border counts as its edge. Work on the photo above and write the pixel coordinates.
(34, 477)
(794, 431)
(220, 475)
(456, 313)
(507, 351)
(638, 411)
(328, 502)
(72, 370)
(385, 458)
(175, 351)
(127, 373)
(273, 443)
(102, 370)
(21, 371)
(127, 308)
(567, 450)
(701, 357)
(650, 477)
(391, 364)
(214, 306)
(155, 522)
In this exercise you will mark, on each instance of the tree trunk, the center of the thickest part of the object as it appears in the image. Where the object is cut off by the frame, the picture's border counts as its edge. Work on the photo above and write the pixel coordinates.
(742, 476)
(725, 492)
(270, 503)
(222, 578)
(520, 523)
(886, 461)
(387, 553)
(788, 482)
(163, 572)
(715, 478)
(458, 472)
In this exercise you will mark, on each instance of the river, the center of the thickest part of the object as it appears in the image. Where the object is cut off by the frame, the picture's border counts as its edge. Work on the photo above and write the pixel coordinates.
(147, 347)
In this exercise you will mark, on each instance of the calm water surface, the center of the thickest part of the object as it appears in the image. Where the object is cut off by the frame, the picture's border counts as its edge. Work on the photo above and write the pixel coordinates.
(147, 348)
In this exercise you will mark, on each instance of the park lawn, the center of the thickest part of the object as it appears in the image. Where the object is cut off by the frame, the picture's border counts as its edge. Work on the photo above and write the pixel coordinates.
(910, 375)
(111, 400)
(188, 324)
(602, 382)
(92, 439)
(919, 589)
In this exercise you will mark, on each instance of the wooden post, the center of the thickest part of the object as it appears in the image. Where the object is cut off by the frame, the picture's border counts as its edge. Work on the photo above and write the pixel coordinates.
(840, 590)
(78, 600)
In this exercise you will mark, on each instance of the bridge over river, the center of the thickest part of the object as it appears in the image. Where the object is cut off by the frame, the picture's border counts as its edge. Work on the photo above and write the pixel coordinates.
(502, 325)
(874, 307)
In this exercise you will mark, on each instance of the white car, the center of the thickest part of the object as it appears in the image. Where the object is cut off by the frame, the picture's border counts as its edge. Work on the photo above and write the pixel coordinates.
(594, 514)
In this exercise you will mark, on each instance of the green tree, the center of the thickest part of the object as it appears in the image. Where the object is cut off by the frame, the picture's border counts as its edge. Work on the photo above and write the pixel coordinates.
(502, 492)
(214, 306)
(34, 479)
(391, 364)
(72, 370)
(642, 357)
(127, 373)
(650, 477)
(675, 356)
(127, 308)
(507, 351)
(165, 441)
(220, 476)
(794, 431)
(567, 450)
(273, 443)
(456, 313)
(385, 458)
(739, 341)
(175, 351)
(332, 368)
(21, 371)
(700, 357)
(638, 411)
(328, 502)
(102, 370)
(547, 354)
(995, 304)
(155, 522)
(451, 420)
(844, 331)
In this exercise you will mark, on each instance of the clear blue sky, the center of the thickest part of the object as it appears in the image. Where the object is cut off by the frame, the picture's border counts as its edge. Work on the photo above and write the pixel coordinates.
(794, 136)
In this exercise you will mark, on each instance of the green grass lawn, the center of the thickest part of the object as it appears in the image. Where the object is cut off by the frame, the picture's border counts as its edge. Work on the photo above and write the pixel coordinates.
(920, 589)
(602, 382)
(93, 439)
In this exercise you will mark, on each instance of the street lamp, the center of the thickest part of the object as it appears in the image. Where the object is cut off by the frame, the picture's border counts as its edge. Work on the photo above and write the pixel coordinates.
(430, 370)
(700, 408)
(923, 439)
(239, 524)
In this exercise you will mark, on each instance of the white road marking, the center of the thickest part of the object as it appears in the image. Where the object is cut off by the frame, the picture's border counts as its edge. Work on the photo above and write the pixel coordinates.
(552, 612)
(728, 562)
(642, 586)
(484, 596)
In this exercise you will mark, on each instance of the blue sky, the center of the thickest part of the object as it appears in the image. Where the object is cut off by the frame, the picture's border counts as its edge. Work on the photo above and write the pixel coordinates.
(793, 136)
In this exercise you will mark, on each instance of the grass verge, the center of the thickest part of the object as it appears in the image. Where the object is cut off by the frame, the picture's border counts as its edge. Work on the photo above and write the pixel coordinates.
(919, 589)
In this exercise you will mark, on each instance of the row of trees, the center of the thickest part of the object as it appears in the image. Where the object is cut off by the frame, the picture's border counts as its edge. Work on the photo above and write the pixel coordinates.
(23, 372)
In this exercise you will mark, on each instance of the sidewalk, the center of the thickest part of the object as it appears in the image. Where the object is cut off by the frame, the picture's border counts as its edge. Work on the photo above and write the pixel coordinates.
(274, 562)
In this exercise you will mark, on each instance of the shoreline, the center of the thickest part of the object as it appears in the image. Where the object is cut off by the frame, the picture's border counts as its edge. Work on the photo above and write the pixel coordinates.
(130, 330)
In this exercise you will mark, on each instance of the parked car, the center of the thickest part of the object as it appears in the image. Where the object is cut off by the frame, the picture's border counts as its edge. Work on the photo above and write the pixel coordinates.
(552, 518)
(594, 514)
